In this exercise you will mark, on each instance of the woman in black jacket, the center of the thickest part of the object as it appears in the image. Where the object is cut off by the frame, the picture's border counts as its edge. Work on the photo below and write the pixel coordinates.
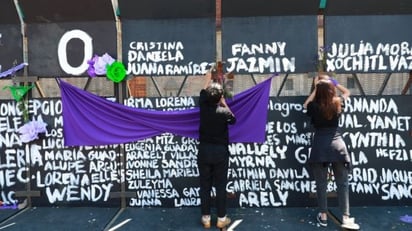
(213, 156)
(328, 147)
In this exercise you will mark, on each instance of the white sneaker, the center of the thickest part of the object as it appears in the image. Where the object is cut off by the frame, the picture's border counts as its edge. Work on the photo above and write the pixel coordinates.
(206, 222)
(221, 223)
(349, 223)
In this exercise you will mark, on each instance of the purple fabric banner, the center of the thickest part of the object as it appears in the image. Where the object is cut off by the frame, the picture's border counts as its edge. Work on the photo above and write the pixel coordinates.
(89, 119)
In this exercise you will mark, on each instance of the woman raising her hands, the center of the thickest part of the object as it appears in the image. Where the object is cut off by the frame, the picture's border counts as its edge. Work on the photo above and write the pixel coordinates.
(324, 107)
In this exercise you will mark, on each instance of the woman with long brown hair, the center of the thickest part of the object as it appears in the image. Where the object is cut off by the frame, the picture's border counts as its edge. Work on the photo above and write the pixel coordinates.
(324, 107)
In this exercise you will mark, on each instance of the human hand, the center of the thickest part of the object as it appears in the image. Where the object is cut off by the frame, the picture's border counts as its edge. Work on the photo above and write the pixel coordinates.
(223, 101)
(316, 80)
(208, 77)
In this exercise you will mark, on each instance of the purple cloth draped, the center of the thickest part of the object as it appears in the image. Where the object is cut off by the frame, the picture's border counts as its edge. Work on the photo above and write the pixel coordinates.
(89, 119)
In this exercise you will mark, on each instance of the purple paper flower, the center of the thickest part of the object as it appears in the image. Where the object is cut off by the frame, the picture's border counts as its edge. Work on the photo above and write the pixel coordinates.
(90, 70)
(98, 65)
(101, 63)
(29, 131)
(108, 59)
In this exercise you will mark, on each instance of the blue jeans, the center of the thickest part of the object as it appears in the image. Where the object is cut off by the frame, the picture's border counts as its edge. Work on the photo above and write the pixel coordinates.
(340, 171)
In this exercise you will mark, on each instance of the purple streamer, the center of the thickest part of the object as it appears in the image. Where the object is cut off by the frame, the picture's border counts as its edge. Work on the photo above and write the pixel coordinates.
(14, 206)
(406, 219)
(13, 70)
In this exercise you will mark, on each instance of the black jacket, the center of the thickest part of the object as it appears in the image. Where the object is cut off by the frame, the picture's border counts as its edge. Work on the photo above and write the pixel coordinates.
(214, 121)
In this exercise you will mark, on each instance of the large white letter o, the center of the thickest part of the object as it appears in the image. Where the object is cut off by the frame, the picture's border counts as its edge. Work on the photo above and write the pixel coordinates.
(62, 51)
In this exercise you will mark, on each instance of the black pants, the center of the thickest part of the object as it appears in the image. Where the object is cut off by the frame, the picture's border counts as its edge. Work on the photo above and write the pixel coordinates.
(340, 172)
(213, 162)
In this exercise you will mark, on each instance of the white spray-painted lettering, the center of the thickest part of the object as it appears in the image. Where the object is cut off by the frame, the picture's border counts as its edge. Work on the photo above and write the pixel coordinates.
(62, 51)
(264, 174)
(161, 58)
(365, 57)
(260, 58)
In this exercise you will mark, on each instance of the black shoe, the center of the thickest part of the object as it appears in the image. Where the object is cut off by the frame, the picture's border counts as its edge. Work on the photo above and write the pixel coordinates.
(322, 223)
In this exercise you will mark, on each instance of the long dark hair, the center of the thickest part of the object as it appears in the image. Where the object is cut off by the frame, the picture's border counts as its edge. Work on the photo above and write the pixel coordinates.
(325, 94)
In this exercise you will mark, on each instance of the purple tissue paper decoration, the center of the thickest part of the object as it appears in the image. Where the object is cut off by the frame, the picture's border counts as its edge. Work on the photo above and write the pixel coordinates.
(98, 64)
(406, 219)
(89, 119)
(13, 206)
(30, 131)
(107, 59)
(101, 63)
(90, 70)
